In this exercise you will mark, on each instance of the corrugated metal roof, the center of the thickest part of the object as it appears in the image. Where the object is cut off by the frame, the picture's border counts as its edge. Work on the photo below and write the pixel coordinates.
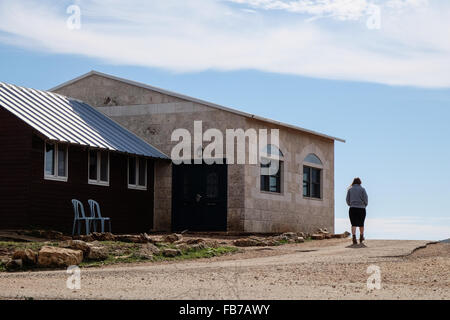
(68, 120)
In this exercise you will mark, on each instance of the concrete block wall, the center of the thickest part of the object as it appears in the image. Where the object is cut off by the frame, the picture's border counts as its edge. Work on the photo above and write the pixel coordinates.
(289, 210)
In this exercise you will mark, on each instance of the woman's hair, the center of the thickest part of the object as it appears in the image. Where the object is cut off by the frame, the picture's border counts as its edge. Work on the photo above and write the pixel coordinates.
(356, 181)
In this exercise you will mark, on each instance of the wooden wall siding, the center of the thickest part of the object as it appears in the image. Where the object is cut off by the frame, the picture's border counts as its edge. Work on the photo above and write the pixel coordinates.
(130, 210)
(15, 149)
(28, 200)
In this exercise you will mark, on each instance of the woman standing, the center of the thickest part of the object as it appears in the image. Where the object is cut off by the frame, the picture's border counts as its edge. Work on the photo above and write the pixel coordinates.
(358, 200)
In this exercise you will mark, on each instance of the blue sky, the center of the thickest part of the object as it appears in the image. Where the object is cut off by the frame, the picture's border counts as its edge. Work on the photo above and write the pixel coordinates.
(386, 91)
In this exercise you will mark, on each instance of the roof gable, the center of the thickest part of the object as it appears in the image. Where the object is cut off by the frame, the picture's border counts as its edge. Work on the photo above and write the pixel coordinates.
(62, 119)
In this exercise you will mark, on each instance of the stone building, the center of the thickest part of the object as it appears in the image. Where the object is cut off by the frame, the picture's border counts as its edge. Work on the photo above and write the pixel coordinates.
(225, 197)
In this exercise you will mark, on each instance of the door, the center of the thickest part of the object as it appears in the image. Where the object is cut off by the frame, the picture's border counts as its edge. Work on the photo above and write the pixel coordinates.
(199, 197)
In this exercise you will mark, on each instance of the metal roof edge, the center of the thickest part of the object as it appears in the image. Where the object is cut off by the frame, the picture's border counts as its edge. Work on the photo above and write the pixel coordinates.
(196, 100)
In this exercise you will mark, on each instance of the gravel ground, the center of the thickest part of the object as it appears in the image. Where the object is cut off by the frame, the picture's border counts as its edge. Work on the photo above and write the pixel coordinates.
(328, 269)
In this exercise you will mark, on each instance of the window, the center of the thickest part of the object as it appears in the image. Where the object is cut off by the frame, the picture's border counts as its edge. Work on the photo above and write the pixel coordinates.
(271, 181)
(312, 158)
(137, 173)
(55, 162)
(98, 167)
(312, 172)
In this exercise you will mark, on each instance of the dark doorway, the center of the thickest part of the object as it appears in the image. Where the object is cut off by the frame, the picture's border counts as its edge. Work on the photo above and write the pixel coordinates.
(199, 197)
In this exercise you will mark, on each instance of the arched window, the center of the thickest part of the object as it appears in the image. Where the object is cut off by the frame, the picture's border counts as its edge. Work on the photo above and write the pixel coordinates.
(271, 169)
(312, 158)
(272, 150)
(312, 177)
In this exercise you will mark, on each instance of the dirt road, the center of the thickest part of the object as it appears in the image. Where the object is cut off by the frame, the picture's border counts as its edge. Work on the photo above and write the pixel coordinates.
(327, 269)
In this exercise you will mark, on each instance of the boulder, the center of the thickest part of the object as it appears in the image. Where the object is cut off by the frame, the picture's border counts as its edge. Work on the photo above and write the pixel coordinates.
(151, 248)
(271, 242)
(85, 238)
(194, 241)
(248, 242)
(148, 250)
(168, 252)
(302, 234)
(59, 257)
(105, 236)
(344, 235)
(289, 235)
(318, 236)
(183, 246)
(130, 238)
(210, 243)
(53, 235)
(198, 246)
(172, 237)
(148, 239)
(14, 264)
(97, 253)
(300, 240)
(76, 245)
(28, 256)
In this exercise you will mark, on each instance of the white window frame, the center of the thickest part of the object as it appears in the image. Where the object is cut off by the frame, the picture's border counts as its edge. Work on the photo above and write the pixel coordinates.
(98, 182)
(55, 176)
(137, 186)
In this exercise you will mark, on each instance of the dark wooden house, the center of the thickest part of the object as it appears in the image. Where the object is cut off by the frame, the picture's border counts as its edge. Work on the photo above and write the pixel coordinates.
(54, 149)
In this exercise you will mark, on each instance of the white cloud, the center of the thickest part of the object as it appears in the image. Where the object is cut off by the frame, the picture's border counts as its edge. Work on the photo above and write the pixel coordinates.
(339, 9)
(411, 48)
(404, 228)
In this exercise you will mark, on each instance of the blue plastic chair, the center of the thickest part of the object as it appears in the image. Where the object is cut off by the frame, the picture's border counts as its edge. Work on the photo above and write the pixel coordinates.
(97, 216)
(80, 217)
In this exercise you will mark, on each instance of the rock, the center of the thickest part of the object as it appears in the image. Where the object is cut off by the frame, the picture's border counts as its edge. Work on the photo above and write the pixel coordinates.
(248, 242)
(28, 256)
(194, 241)
(59, 257)
(147, 239)
(148, 250)
(14, 264)
(210, 243)
(53, 235)
(76, 245)
(83, 237)
(131, 238)
(168, 252)
(323, 231)
(172, 237)
(183, 246)
(97, 253)
(198, 246)
(151, 248)
(105, 236)
(289, 235)
(341, 235)
(318, 236)
(271, 242)
(302, 234)
(300, 240)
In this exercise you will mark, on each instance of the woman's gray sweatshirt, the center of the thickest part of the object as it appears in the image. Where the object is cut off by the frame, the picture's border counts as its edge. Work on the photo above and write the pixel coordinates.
(357, 197)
